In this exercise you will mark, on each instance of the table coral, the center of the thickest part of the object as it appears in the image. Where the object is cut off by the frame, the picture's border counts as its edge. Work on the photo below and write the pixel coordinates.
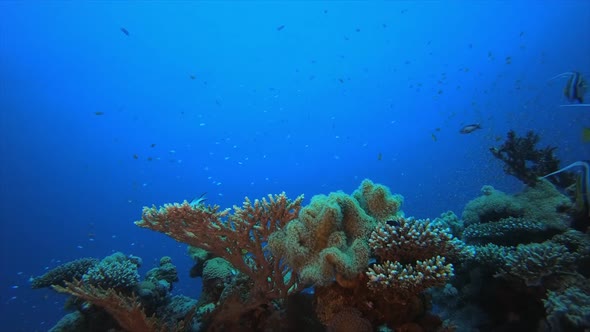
(534, 215)
(535, 261)
(65, 272)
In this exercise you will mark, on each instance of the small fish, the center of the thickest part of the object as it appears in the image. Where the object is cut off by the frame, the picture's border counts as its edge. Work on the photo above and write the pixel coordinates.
(379, 156)
(434, 138)
(98, 113)
(280, 27)
(393, 222)
(582, 184)
(468, 129)
(135, 156)
(152, 145)
(586, 134)
(192, 77)
(198, 201)
(125, 31)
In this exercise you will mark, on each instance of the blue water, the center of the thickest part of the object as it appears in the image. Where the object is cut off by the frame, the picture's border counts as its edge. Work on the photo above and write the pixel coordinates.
(217, 98)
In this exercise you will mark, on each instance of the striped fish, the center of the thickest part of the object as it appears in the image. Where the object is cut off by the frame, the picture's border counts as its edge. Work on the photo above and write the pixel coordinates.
(575, 88)
(582, 184)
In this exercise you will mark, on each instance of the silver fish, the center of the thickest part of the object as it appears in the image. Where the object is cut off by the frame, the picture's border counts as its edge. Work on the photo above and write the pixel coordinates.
(468, 129)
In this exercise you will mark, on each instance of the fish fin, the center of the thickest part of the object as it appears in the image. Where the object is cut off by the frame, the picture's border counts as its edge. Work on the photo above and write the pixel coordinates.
(199, 200)
(567, 73)
(580, 163)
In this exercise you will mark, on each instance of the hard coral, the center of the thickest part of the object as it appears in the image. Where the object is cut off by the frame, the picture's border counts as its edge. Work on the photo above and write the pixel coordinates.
(116, 271)
(534, 215)
(570, 308)
(66, 272)
(239, 237)
(534, 262)
(126, 310)
(412, 257)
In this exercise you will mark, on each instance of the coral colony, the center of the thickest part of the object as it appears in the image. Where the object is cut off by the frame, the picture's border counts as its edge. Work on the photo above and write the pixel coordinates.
(349, 263)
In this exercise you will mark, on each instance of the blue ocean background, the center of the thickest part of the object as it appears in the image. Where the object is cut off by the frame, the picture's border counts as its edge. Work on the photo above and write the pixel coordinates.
(237, 99)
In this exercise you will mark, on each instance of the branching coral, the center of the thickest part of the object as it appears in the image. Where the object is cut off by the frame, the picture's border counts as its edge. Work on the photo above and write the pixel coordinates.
(535, 261)
(412, 255)
(410, 279)
(126, 310)
(408, 240)
(570, 308)
(525, 161)
(66, 272)
(238, 237)
(116, 271)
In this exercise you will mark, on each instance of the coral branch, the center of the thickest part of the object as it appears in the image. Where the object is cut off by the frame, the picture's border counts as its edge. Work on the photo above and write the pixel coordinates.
(240, 238)
(526, 162)
(126, 310)
(408, 280)
(412, 255)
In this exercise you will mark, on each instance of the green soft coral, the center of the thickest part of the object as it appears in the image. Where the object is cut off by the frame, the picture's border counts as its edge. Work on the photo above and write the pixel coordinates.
(328, 240)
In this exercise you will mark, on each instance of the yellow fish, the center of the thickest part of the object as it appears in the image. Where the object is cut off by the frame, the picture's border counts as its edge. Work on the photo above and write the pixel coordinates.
(586, 134)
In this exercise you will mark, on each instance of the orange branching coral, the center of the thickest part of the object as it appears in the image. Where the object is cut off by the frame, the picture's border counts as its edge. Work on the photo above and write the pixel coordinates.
(238, 237)
(125, 310)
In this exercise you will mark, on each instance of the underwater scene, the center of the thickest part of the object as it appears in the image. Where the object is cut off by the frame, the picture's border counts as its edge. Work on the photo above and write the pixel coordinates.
(338, 166)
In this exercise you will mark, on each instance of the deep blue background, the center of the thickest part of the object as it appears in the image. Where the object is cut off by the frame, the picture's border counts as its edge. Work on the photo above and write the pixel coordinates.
(304, 109)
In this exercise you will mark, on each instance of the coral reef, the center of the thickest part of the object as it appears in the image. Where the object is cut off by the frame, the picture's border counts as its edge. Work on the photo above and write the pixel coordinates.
(109, 295)
(512, 263)
(526, 257)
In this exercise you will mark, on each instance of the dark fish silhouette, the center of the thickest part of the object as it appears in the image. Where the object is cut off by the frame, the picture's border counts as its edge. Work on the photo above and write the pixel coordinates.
(468, 129)
(123, 30)
(280, 27)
